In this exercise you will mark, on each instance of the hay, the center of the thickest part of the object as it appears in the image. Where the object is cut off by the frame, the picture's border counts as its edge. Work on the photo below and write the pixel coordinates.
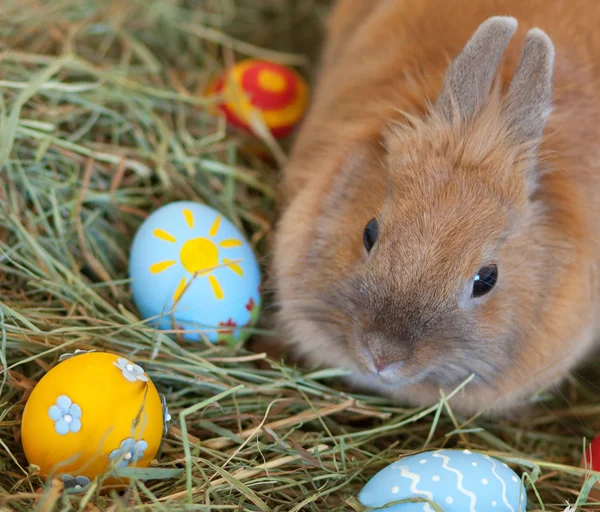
(101, 121)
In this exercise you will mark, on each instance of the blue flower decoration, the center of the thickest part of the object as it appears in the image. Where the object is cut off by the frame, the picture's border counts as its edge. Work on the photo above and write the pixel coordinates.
(129, 451)
(75, 483)
(130, 371)
(166, 415)
(66, 416)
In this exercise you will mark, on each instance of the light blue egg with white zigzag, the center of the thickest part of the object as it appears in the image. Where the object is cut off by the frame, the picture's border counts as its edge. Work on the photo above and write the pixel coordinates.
(455, 480)
(192, 271)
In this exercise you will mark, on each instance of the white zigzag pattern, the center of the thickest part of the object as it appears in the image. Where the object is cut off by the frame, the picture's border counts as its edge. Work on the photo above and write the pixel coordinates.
(472, 497)
(504, 498)
(415, 479)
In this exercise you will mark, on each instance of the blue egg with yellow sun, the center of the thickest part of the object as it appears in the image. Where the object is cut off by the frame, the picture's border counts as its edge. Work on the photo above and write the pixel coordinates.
(193, 273)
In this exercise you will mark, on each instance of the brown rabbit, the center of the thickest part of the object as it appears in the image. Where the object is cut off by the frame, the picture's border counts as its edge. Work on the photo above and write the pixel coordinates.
(439, 220)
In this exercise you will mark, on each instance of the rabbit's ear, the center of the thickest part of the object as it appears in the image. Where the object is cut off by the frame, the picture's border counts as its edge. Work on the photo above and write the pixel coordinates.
(469, 78)
(529, 100)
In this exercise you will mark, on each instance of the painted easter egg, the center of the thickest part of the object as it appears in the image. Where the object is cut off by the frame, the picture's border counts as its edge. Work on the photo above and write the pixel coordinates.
(591, 460)
(94, 412)
(192, 271)
(457, 481)
(251, 87)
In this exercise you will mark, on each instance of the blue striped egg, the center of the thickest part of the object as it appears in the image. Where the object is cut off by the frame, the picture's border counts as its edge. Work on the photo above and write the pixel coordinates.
(192, 271)
(455, 480)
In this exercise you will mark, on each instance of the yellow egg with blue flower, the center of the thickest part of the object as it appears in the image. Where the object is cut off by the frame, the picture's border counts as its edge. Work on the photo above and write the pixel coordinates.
(93, 414)
(194, 273)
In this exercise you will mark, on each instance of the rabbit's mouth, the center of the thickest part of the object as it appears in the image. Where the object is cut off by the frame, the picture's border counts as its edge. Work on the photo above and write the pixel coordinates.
(402, 375)
(395, 364)
(392, 365)
(394, 378)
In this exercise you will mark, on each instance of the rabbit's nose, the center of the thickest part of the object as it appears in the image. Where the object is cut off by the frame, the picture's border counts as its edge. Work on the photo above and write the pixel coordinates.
(379, 365)
(382, 365)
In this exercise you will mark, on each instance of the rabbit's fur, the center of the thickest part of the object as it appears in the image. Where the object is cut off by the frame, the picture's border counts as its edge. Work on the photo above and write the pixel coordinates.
(473, 142)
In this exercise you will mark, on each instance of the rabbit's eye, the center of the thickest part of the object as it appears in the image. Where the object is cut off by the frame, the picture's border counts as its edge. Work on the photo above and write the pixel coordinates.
(371, 234)
(485, 280)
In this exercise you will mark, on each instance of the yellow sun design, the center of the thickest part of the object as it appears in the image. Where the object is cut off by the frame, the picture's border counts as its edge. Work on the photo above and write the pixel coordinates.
(199, 256)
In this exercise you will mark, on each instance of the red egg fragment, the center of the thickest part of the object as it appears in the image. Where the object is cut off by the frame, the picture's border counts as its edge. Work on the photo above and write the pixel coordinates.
(277, 93)
(593, 455)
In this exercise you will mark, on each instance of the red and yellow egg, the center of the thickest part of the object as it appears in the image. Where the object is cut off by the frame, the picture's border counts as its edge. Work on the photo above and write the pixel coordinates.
(276, 92)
